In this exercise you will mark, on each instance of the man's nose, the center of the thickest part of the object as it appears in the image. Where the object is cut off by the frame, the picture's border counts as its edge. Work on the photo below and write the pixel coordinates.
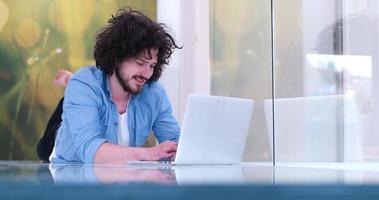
(147, 71)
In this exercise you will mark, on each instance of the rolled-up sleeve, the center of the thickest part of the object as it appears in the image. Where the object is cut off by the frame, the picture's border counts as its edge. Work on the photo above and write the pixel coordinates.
(165, 126)
(82, 111)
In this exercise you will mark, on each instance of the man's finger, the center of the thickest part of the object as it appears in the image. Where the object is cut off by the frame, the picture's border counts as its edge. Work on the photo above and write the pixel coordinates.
(170, 147)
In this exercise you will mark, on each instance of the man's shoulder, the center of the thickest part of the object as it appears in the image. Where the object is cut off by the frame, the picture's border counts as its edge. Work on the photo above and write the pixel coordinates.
(88, 74)
(86, 84)
(90, 77)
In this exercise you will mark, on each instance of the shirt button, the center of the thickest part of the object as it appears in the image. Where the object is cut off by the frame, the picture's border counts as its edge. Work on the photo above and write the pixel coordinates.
(115, 123)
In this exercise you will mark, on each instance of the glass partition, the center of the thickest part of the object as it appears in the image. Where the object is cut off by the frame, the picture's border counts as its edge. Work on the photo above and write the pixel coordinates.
(323, 60)
(241, 62)
(326, 81)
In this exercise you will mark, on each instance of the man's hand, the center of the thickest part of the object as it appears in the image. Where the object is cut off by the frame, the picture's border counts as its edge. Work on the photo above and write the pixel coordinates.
(112, 153)
(164, 150)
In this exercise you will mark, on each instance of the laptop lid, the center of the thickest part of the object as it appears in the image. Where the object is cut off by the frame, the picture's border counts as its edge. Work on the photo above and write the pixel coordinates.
(214, 130)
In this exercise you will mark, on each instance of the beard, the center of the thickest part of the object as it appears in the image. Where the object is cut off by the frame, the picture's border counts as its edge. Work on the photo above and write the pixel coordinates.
(124, 82)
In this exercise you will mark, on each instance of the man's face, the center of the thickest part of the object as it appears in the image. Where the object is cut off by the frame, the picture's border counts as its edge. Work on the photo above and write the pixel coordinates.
(134, 72)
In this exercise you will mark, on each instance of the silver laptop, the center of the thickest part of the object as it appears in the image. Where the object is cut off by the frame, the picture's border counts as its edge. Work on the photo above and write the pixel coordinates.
(214, 131)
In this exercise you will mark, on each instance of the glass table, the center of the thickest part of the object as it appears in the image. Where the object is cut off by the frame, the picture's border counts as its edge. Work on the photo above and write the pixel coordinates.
(26, 179)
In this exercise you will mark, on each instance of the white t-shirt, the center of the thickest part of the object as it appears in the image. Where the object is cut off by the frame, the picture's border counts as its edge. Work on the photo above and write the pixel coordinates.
(123, 130)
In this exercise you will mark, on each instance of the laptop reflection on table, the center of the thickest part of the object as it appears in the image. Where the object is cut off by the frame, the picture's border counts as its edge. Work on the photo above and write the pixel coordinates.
(214, 131)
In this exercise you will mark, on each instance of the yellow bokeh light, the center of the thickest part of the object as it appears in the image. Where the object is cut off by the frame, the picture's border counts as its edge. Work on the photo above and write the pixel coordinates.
(28, 33)
(71, 16)
(4, 14)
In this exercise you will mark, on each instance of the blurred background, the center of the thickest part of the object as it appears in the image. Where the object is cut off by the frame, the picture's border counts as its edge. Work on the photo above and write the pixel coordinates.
(38, 37)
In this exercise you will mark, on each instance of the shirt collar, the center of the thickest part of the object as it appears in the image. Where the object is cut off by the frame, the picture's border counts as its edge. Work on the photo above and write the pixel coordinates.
(106, 83)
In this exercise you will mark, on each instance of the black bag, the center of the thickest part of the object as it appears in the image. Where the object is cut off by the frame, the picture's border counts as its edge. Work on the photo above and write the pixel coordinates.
(46, 143)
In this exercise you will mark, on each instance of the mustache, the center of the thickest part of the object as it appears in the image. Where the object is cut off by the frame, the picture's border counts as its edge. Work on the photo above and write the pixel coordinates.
(140, 77)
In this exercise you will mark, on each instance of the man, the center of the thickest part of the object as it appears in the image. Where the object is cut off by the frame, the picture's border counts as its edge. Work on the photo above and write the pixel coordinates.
(109, 110)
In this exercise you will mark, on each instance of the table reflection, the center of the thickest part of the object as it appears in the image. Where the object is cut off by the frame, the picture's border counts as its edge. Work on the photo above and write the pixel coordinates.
(111, 174)
(165, 174)
(244, 174)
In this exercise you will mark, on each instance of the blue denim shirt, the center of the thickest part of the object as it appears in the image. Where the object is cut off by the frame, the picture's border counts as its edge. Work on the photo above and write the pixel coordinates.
(90, 117)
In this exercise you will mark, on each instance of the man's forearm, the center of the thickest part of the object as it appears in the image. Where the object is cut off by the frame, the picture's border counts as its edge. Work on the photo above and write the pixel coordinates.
(111, 153)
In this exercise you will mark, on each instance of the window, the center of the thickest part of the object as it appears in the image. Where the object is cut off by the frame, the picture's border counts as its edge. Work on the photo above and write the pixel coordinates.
(324, 64)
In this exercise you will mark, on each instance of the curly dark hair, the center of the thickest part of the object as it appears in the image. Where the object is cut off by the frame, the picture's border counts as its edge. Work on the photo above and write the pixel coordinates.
(127, 35)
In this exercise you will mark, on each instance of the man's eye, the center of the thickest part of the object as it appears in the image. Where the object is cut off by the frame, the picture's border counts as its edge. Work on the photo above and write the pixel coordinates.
(139, 62)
